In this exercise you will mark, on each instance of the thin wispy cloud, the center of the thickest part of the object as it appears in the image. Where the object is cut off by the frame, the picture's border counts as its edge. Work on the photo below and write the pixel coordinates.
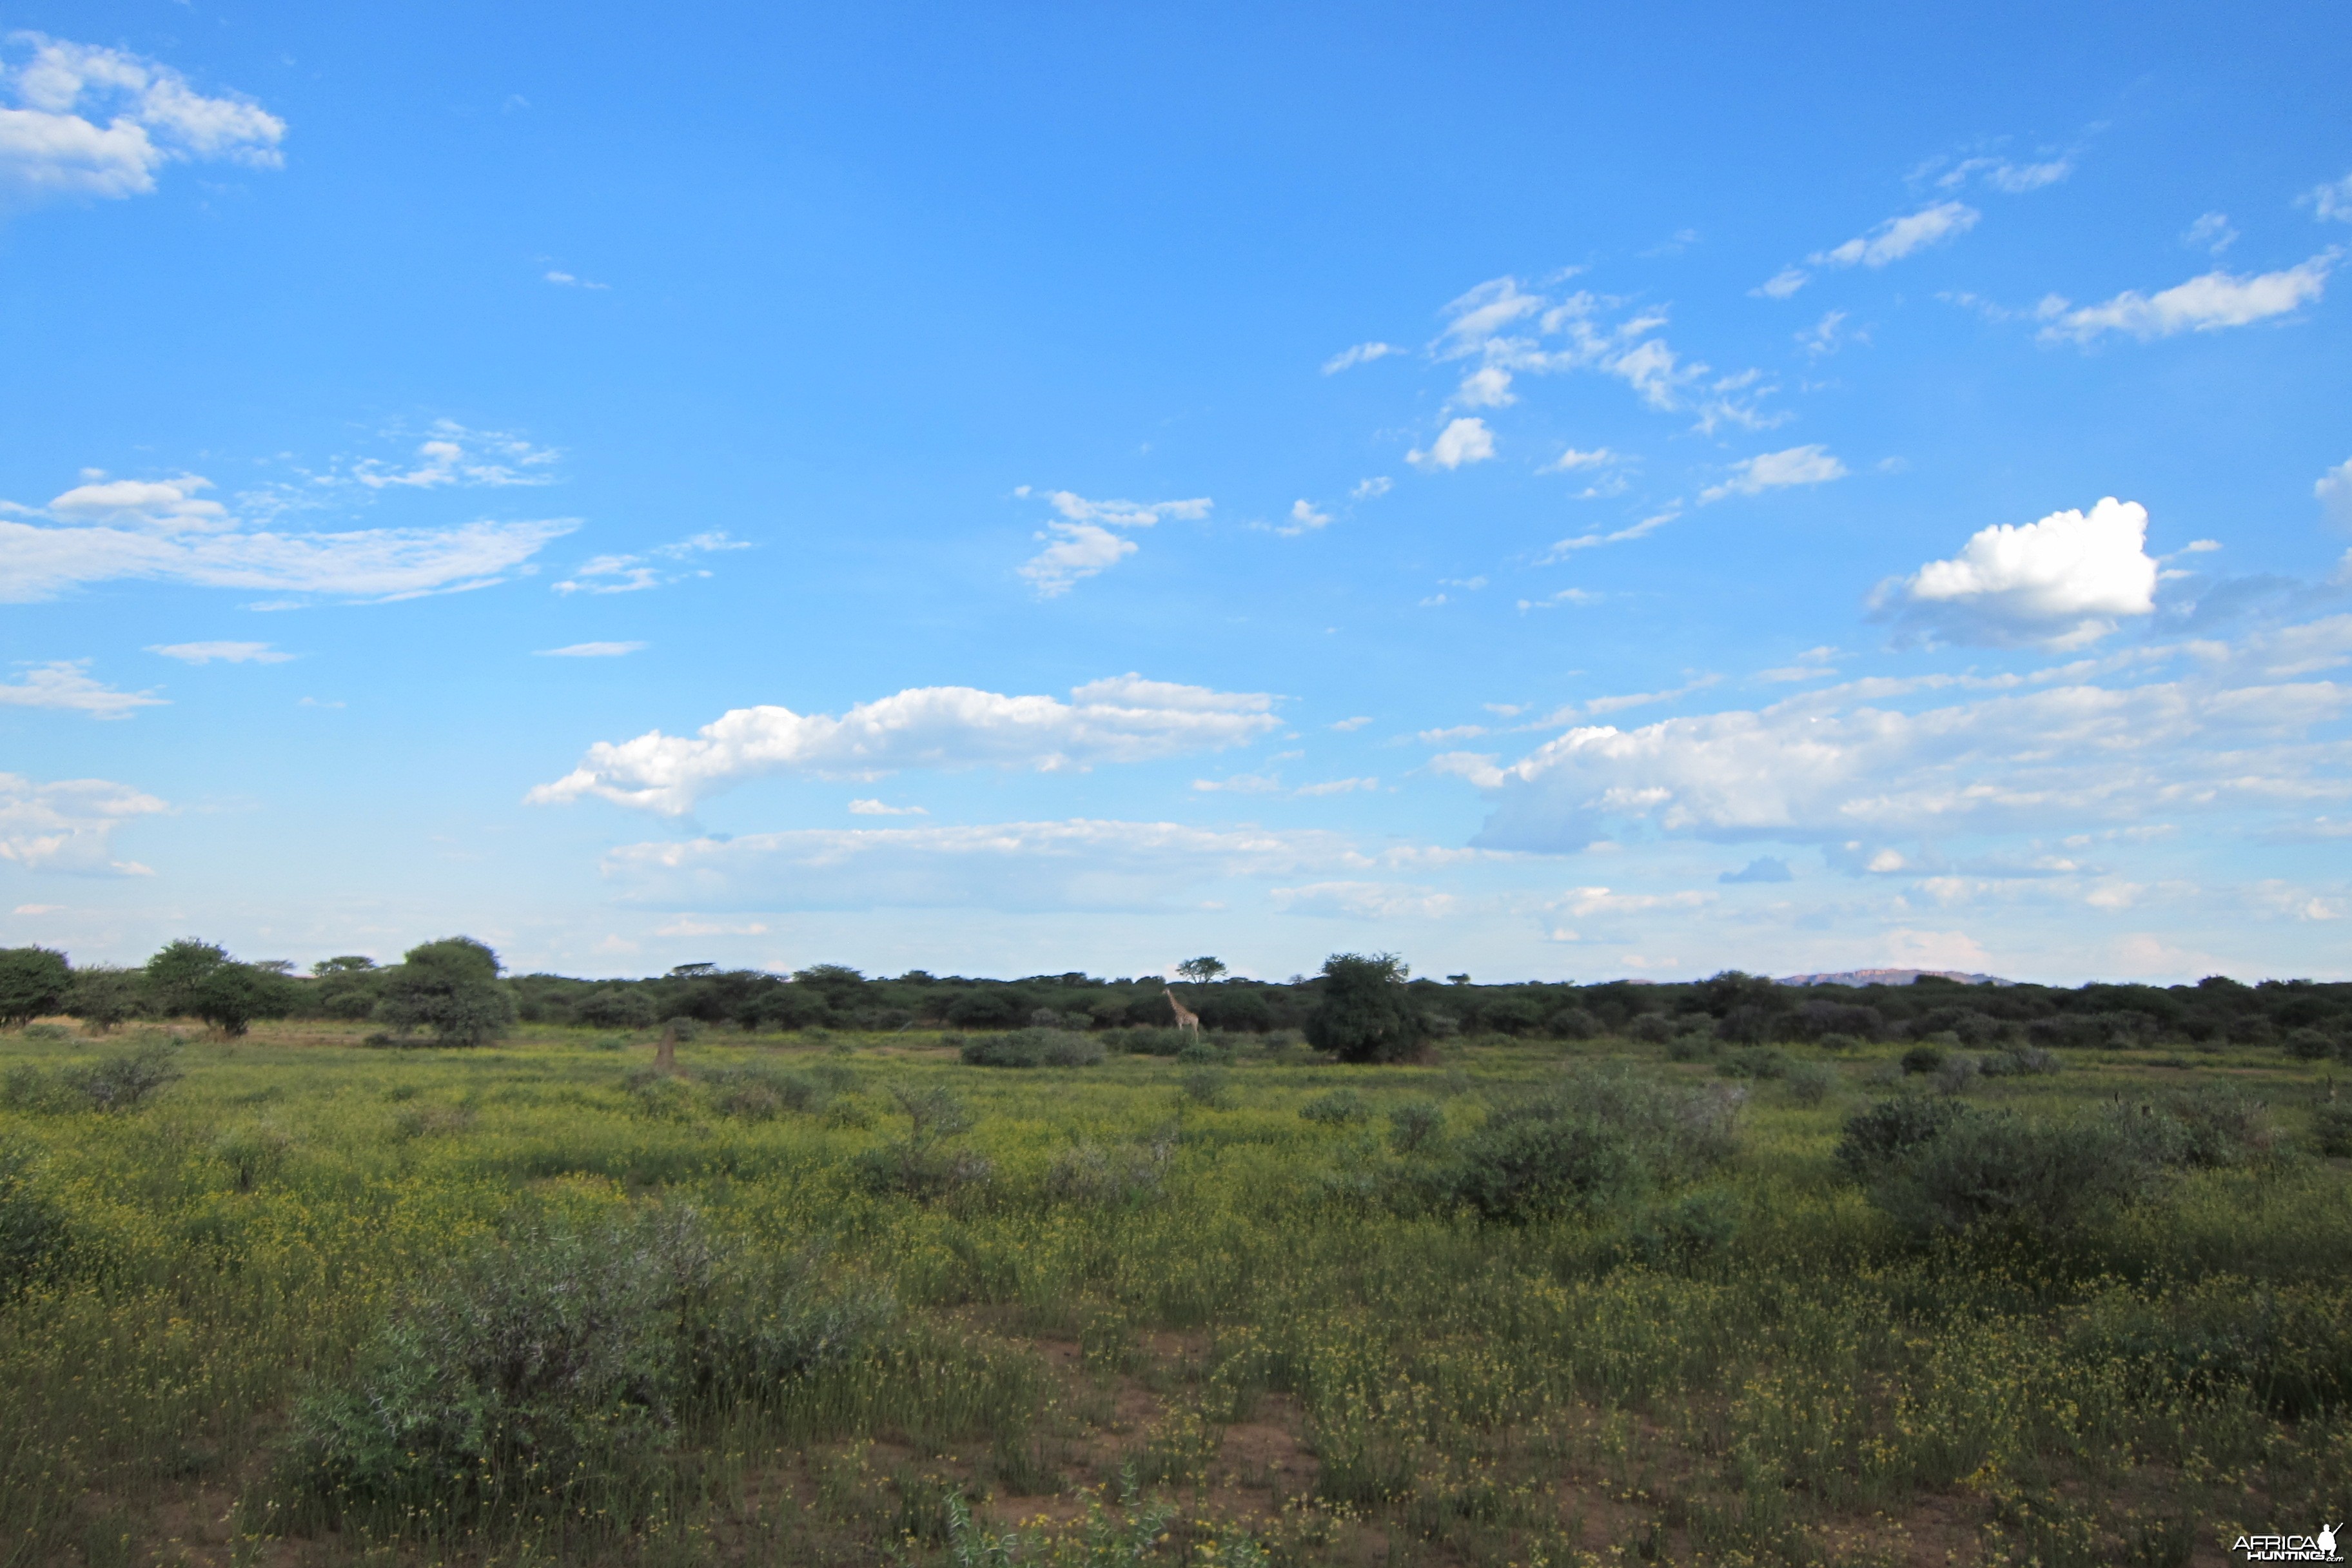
(592, 650)
(2203, 304)
(68, 684)
(1081, 543)
(222, 652)
(1798, 466)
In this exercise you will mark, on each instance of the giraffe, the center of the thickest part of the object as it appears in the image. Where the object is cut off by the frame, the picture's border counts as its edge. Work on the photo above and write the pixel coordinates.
(1185, 1017)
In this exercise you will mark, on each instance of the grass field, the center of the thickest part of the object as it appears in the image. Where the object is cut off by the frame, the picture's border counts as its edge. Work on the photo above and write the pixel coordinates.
(799, 1307)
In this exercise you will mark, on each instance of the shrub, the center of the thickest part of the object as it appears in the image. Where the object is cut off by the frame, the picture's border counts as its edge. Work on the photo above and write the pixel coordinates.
(1032, 1048)
(1810, 1083)
(1205, 1085)
(2219, 1128)
(33, 1235)
(1651, 1029)
(1596, 1137)
(1147, 1042)
(2020, 1062)
(2308, 1044)
(614, 1008)
(2017, 1173)
(1922, 1058)
(252, 1152)
(199, 980)
(1200, 1053)
(1365, 1013)
(552, 1361)
(1336, 1108)
(1755, 1062)
(1957, 1075)
(1878, 1136)
(756, 1092)
(1573, 1024)
(1415, 1125)
(121, 1081)
(1117, 1176)
(924, 1164)
(102, 995)
(2331, 1128)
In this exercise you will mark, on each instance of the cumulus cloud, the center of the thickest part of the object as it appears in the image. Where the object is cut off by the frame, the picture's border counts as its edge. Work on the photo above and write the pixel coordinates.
(592, 650)
(1363, 353)
(1372, 489)
(2334, 493)
(654, 568)
(1304, 519)
(68, 826)
(1080, 545)
(66, 683)
(170, 506)
(88, 121)
(2204, 304)
(1777, 470)
(1488, 387)
(1079, 864)
(1124, 719)
(225, 652)
(1851, 766)
(2059, 582)
(1466, 440)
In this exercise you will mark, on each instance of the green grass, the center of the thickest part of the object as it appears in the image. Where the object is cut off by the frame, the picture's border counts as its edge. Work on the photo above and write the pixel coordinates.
(1120, 1300)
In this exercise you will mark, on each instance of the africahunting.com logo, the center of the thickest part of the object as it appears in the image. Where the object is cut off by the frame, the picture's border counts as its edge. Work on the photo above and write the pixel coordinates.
(2320, 1548)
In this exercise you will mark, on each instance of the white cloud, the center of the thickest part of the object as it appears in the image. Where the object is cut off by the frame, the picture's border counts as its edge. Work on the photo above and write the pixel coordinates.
(38, 563)
(1079, 864)
(1567, 547)
(1081, 544)
(1487, 388)
(2015, 179)
(1782, 284)
(2203, 304)
(1240, 784)
(2060, 583)
(452, 456)
(567, 280)
(1777, 470)
(2213, 233)
(1365, 901)
(1372, 488)
(591, 650)
(226, 652)
(1900, 236)
(635, 573)
(1124, 719)
(1569, 597)
(1813, 664)
(170, 506)
(68, 825)
(1572, 460)
(2333, 200)
(50, 144)
(876, 808)
(1363, 353)
(2044, 754)
(66, 683)
(1304, 519)
(1356, 723)
(1336, 786)
(1466, 440)
(2334, 493)
(1472, 318)
(1828, 335)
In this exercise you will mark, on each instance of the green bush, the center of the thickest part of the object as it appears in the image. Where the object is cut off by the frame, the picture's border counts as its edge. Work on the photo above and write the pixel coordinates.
(1147, 1042)
(1206, 1086)
(1365, 1013)
(452, 988)
(1754, 1061)
(2331, 1129)
(1810, 1083)
(926, 1162)
(1877, 1136)
(1032, 1047)
(2020, 1062)
(1113, 1175)
(1415, 1125)
(756, 1091)
(121, 1081)
(553, 1362)
(1336, 1108)
(33, 1237)
(1922, 1058)
(1596, 1138)
(33, 981)
(2018, 1173)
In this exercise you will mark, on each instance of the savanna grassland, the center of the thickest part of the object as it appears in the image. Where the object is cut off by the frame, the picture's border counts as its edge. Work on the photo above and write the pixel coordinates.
(852, 1298)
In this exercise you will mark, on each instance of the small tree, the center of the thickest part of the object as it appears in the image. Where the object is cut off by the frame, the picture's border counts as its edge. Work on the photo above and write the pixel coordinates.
(103, 995)
(451, 987)
(1366, 1015)
(33, 981)
(1200, 970)
(348, 987)
(174, 973)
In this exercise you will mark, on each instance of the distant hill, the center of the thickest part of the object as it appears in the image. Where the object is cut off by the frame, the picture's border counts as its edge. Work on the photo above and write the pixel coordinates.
(1892, 977)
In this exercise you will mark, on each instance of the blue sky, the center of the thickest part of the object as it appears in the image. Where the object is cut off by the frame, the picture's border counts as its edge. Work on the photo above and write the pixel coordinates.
(1007, 490)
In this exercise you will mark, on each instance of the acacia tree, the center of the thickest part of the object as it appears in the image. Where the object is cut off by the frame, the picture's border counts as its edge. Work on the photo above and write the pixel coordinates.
(102, 995)
(1200, 970)
(451, 987)
(198, 979)
(33, 981)
(1365, 1013)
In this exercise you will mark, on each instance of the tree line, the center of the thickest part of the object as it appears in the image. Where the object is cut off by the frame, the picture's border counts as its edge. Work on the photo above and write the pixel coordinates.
(1367, 1005)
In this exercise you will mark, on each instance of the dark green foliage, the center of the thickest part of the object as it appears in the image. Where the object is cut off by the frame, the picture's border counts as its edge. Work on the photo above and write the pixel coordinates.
(1596, 1138)
(2290, 1345)
(1415, 1125)
(1033, 1049)
(1754, 1061)
(33, 1237)
(2216, 1128)
(1810, 1083)
(195, 979)
(1366, 1015)
(1112, 1176)
(1579, 1023)
(121, 1081)
(1210, 1087)
(2018, 1173)
(33, 981)
(346, 988)
(452, 988)
(2308, 1044)
(756, 1092)
(2331, 1131)
(555, 1362)
(926, 1162)
(1879, 1135)
(1922, 1058)
(2020, 1062)
(614, 1008)
(1337, 1108)
(103, 995)
(1147, 1042)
